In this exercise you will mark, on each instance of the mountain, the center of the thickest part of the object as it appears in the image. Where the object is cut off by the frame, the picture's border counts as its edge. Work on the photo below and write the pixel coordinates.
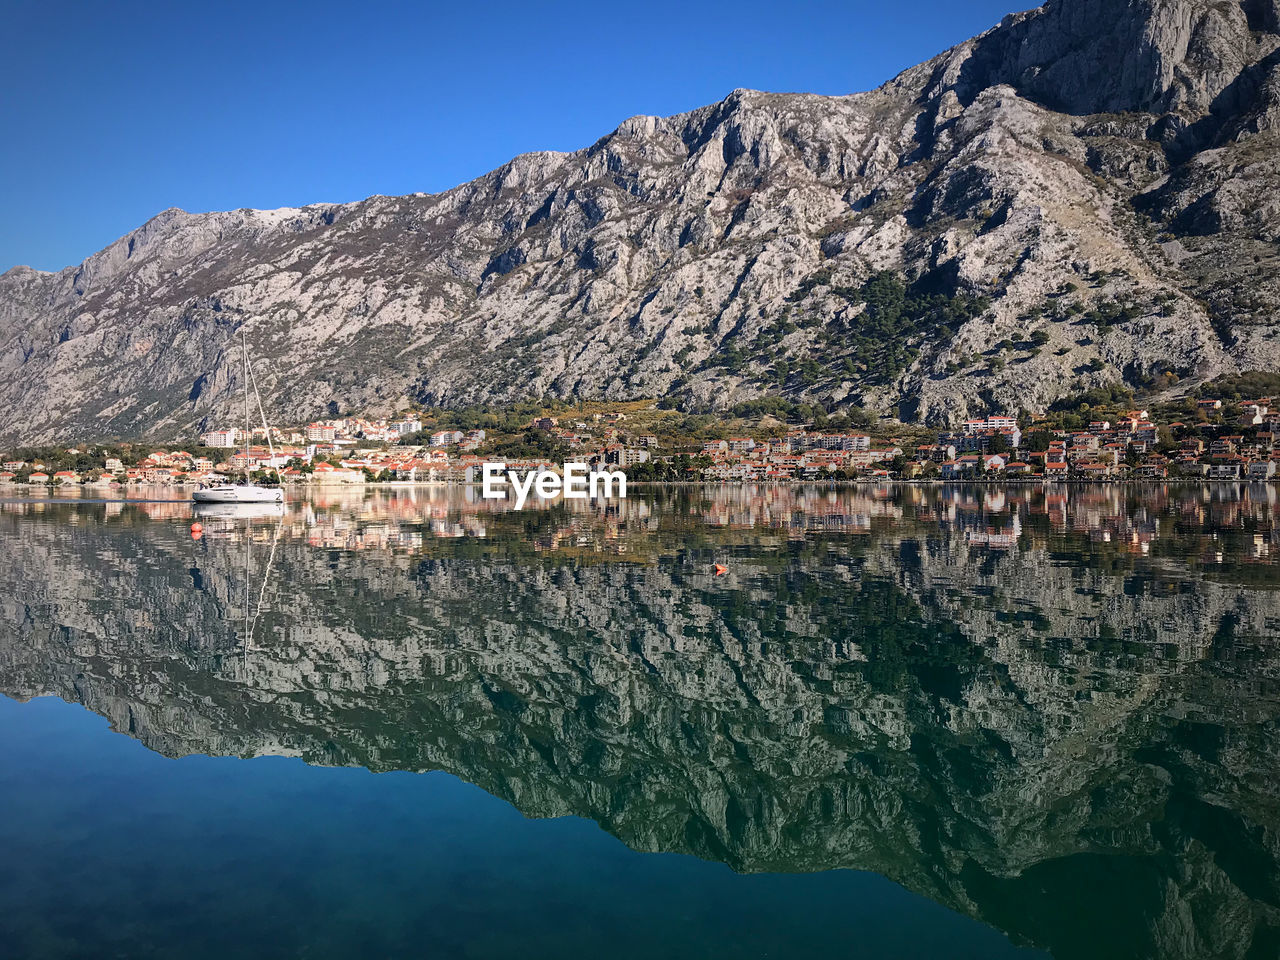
(1087, 194)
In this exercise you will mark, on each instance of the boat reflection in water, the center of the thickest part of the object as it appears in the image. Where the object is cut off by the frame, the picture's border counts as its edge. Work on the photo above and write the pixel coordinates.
(238, 511)
(1054, 711)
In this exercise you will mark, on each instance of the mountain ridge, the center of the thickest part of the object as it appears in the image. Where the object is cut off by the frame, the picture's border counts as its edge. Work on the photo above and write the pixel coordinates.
(727, 252)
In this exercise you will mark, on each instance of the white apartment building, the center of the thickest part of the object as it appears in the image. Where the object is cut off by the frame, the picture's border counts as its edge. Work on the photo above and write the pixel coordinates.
(221, 438)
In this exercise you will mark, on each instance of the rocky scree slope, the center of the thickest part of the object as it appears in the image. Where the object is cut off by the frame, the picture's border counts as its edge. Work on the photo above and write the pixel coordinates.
(1086, 194)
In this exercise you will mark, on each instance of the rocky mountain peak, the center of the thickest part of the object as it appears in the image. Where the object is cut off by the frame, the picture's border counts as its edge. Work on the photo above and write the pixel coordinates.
(1108, 56)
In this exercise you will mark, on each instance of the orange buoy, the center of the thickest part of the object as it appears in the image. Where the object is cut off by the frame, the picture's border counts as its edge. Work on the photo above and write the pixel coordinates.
(197, 530)
(721, 569)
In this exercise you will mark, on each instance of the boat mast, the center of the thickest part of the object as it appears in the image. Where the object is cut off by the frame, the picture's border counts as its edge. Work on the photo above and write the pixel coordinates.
(244, 341)
(271, 447)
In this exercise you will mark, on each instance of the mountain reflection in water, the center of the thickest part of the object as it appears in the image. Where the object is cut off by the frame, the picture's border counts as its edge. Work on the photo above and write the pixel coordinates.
(1053, 710)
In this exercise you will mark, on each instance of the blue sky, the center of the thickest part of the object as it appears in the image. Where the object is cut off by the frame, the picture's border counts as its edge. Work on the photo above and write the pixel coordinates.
(111, 112)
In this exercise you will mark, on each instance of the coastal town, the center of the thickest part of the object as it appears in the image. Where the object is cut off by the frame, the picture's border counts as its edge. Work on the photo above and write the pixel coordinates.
(1213, 439)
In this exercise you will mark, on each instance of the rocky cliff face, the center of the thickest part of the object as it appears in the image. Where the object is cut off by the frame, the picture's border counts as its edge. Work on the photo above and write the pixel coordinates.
(1103, 174)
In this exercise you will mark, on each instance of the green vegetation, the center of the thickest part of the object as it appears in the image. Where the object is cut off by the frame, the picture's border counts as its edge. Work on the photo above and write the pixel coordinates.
(492, 418)
(789, 411)
(265, 478)
(90, 456)
(1114, 395)
(876, 344)
(1112, 312)
(1075, 412)
(1037, 441)
(1245, 386)
(677, 468)
(530, 444)
(896, 318)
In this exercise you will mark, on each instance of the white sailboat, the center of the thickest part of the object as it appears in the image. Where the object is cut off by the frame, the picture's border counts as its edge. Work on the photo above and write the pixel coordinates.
(237, 493)
(245, 492)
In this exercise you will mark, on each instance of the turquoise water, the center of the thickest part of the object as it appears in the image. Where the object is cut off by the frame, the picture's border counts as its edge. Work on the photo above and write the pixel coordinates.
(907, 722)
(121, 852)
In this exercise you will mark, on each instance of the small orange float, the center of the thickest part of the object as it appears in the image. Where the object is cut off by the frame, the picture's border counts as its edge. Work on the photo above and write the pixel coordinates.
(721, 569)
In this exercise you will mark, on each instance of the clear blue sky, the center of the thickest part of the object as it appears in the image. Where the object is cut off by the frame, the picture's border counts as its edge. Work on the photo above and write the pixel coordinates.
(113, 111)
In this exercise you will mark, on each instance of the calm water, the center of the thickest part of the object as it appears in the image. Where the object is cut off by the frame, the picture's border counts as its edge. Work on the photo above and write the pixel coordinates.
(908, 722)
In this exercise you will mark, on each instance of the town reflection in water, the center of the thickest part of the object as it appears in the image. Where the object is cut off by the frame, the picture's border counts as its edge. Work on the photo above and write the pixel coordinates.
(1053, 709)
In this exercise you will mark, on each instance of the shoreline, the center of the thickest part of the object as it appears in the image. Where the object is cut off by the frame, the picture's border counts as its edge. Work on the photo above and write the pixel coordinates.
(119, 493)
